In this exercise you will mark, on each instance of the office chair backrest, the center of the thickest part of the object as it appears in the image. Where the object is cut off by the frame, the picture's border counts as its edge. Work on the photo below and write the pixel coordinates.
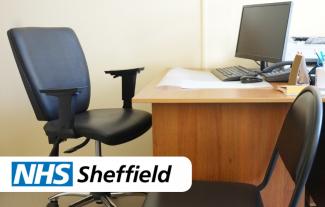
(50, 58)
(298, 139)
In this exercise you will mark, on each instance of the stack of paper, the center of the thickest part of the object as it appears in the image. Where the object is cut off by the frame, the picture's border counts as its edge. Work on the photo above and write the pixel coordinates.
(200, 79)
(291, 90)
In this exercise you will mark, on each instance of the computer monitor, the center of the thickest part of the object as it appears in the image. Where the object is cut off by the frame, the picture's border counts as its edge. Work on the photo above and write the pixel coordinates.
(263, 32)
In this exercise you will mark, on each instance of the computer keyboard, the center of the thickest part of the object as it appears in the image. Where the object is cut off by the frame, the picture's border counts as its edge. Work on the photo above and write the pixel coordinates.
(232, 73)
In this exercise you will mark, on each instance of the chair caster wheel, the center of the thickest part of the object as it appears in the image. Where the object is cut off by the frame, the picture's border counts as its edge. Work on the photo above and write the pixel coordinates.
(99, 202)
(53, 204)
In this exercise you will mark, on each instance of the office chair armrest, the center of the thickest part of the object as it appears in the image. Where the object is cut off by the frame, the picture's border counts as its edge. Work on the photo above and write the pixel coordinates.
(66, 110)
(129, 77)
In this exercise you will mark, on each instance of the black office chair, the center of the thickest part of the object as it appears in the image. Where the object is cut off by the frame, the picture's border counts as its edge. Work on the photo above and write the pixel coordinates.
(297, 145)
(54, 71)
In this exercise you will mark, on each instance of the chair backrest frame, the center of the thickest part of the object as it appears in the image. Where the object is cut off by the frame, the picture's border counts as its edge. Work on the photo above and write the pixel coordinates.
(298, 157)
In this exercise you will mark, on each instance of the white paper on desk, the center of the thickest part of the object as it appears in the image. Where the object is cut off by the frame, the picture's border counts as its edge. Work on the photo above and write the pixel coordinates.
(175, 77)
(194, 79)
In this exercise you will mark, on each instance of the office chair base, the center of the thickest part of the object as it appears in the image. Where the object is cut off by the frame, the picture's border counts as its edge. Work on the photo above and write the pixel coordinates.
(100, 198)
(53, 204)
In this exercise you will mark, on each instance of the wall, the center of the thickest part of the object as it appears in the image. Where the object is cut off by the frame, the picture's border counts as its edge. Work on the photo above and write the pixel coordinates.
(114, 35)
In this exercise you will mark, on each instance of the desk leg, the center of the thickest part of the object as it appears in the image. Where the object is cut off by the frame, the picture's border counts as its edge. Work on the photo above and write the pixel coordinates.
(225, 142)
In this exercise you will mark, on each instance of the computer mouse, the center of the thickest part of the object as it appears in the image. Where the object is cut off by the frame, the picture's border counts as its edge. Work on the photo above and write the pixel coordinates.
(250, 79)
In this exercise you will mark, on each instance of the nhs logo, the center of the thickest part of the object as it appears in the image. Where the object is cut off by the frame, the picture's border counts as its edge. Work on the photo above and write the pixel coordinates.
(41, 174)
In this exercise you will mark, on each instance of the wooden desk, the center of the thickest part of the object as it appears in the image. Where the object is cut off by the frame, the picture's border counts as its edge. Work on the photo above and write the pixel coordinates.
(228, 134)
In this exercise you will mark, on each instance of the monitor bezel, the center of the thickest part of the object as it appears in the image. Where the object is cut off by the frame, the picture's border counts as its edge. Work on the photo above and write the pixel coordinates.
(265, 58)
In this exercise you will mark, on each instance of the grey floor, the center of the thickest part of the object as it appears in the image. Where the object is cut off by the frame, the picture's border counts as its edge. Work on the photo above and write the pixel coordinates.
(40, 200)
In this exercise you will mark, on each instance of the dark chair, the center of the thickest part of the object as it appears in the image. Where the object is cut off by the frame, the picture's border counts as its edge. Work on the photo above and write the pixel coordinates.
(297, 145)
(54, 71)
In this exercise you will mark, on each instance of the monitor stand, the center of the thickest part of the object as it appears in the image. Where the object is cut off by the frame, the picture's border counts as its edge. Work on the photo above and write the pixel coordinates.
(263, 65)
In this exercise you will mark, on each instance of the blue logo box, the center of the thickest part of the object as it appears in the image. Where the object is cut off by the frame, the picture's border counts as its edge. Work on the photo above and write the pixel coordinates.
(44, 174)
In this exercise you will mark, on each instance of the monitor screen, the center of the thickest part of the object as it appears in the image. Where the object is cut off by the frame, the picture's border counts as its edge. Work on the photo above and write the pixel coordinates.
(263, 31)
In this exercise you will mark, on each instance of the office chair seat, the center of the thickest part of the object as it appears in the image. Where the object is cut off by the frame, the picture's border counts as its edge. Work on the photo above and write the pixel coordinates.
(109, 126)
(208, 194)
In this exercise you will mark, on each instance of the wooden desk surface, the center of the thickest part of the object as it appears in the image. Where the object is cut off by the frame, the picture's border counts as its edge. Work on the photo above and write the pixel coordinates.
(152, 94)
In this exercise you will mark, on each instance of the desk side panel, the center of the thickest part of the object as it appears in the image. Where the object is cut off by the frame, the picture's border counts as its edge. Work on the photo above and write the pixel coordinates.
(225, 142)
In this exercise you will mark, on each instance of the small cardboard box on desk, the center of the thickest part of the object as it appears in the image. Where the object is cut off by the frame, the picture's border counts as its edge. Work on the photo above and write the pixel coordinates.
(299, 72)
(299, 77)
